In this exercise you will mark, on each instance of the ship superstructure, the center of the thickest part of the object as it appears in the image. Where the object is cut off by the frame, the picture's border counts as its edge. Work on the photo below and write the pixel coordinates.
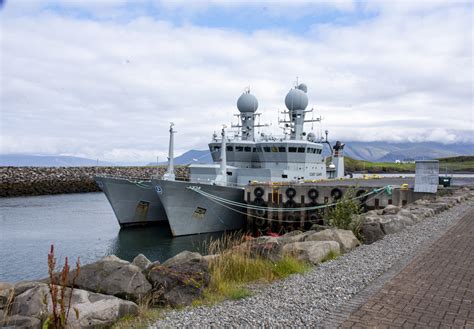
(295, 156)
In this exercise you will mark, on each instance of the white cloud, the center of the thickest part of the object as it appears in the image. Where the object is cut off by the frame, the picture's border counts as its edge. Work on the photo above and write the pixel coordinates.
(108, 89)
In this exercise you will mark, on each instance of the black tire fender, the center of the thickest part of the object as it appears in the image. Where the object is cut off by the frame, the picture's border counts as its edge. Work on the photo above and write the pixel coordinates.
(259, 192)
(313, 194)
(336, 193)
(290, 192)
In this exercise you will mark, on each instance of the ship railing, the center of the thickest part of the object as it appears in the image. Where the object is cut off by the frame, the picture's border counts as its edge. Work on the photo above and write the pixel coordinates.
(213, 182)
(133, 178)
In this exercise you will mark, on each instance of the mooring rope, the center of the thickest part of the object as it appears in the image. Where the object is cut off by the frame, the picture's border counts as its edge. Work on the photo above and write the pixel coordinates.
(283, 220)
(210, 196)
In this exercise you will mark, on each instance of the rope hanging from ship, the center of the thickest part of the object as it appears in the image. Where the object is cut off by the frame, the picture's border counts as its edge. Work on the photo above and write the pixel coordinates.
(275, 209)
(375, 192)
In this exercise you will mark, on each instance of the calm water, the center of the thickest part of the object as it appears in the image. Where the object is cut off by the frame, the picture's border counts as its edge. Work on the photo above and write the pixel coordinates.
(78, 225)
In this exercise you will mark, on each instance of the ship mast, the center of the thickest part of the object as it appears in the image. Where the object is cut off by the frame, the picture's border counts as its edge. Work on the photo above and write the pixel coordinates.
(170, 172)
(221, 179)
(296, 102)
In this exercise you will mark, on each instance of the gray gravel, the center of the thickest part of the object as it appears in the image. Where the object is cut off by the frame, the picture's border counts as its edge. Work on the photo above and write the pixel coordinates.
(305, 300)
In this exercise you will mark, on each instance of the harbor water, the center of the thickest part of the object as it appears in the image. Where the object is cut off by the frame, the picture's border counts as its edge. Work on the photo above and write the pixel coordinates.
(79, 225)
(84, 225)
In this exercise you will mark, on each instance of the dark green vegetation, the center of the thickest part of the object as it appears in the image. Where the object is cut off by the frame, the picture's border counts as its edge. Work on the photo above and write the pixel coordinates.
(455, 164)
(344, 214)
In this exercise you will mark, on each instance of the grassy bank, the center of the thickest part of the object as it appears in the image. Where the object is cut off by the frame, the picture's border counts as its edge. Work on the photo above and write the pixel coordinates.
(231, 272)
(455, 164)
(237, 265)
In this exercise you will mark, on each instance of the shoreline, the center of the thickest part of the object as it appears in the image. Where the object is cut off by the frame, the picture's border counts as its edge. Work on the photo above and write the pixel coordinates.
(33, 181)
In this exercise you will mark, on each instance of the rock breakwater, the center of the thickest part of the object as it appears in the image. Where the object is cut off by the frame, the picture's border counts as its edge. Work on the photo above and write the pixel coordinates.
(26, 181)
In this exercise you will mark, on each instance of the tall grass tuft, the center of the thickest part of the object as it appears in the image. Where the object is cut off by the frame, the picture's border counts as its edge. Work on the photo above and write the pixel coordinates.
(236, 266)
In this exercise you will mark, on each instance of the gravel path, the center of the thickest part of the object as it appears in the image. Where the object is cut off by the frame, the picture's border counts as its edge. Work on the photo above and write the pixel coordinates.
(306, 300)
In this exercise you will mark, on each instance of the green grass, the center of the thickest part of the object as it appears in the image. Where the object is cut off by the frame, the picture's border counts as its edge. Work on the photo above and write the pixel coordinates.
(330, 256)
(288, 266)
(231, 274)
(142, 320)
(454, 164)
(236, 267)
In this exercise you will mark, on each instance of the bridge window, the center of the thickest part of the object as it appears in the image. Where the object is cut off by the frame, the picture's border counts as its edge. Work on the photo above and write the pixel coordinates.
(239, 148)
(266, 148)
(248, 149)
(300, 149)
(254, 149)
(274, 149)
(230, 148)
(292, 149)
(282, 149)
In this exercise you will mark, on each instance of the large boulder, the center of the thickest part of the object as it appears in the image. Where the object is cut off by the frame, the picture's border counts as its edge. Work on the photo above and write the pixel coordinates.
(438, 206)
(93, 310)
(179, 284)
(141, 261)
(390, 210)
(113, 276)
(20, 322)
(22, 286)
(391, 224)
(183, 257)
(421, 211)
(371, 232)
(311, 251)
(408, 214)
(264, 246)
(291, 238)
(346, 239)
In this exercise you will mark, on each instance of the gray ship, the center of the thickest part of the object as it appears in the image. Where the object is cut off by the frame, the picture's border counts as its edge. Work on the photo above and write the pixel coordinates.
(213, 198)
(133, 200)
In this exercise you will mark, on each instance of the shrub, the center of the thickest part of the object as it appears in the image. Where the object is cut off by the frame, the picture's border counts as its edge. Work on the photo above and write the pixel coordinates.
(344, 214)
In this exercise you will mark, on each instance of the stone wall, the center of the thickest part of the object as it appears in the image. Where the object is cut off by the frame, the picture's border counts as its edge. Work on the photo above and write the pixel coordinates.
(25, 181)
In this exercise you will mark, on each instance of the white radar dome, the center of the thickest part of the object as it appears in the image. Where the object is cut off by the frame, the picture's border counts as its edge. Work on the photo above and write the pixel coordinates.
(296, 99)
(247, 103)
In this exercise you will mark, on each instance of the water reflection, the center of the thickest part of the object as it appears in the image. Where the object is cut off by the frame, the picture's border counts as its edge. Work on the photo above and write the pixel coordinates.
(156, 242)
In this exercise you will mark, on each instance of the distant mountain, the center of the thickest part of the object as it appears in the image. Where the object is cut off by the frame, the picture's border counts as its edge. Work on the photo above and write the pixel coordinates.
(389, 152)
(191, 156)
(25, 160)
(369, 151)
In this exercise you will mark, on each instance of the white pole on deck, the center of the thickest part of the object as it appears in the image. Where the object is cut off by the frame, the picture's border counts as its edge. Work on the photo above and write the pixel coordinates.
(170, 172)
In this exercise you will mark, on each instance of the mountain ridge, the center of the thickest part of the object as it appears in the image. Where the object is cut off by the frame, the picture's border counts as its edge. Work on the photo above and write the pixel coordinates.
(368, 151)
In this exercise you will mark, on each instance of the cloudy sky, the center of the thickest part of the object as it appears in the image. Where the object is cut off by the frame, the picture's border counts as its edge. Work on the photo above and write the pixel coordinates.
(103, 79)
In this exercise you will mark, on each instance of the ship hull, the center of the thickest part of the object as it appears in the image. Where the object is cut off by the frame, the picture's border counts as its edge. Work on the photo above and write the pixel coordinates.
(133, 202)
(189, 212)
